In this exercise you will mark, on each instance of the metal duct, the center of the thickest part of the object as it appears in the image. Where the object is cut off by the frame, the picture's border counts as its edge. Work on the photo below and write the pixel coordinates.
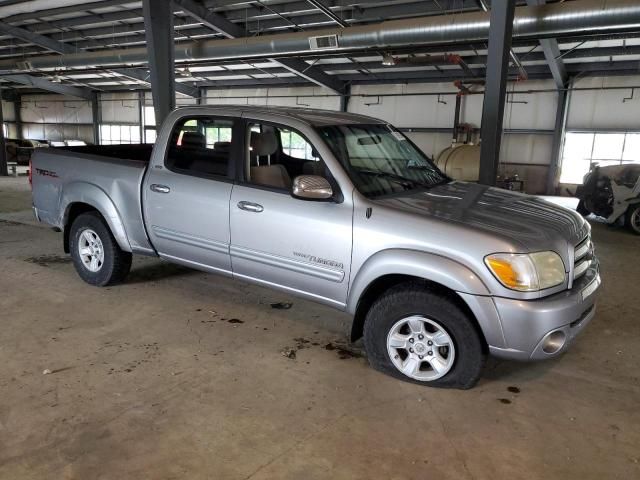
(550, 20)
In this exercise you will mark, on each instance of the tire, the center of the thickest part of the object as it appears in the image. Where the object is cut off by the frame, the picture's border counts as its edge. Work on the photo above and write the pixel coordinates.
(632, 218)
(464, 359)
(115, 263)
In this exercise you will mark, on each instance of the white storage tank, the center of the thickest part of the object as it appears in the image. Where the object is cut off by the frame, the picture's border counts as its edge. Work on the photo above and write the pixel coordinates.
(461, 162)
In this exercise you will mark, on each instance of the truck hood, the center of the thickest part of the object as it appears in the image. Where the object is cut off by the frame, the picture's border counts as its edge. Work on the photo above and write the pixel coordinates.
(531, 222)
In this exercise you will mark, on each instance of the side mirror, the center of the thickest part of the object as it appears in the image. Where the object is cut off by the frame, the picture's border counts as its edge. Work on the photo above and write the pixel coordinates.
(311, 187)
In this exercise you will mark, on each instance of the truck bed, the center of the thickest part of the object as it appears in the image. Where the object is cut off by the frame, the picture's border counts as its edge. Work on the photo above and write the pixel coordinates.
(66, 175)
(125, 152)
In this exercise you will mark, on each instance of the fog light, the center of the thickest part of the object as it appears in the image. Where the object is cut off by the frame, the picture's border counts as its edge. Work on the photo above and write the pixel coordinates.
(553, 341)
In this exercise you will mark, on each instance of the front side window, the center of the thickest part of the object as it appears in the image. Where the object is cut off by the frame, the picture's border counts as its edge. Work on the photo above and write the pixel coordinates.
(380, 160)
(201, 145)
(276, 155)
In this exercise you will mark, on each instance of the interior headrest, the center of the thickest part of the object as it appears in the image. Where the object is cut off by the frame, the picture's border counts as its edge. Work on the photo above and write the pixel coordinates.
(263, 144)
(222, 146)
(193, 140)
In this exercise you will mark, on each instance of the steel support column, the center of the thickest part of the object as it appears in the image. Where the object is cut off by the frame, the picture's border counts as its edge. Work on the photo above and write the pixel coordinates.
(4, 170)
(558, 138)
(501, 27)
(202, 96)
(141, 115)
(344, 99)
(17, 113)
(158, 24)
(96, 117)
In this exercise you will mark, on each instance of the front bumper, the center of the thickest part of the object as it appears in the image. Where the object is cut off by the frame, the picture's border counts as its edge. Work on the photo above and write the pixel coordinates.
(544, 328)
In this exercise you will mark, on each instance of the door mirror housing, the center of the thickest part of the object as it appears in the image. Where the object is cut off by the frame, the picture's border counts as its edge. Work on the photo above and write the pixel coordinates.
(311, 187)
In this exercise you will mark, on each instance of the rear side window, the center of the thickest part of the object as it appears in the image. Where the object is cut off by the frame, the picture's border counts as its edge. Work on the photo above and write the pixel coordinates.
(201, 146)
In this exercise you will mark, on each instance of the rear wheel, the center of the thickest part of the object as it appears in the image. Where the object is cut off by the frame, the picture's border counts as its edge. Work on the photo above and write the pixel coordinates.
(423, 337)
(633, 218)
(96, 255)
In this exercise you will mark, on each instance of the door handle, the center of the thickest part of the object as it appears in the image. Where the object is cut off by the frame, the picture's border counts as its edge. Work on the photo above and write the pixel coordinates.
(250, 207)
(159, 188)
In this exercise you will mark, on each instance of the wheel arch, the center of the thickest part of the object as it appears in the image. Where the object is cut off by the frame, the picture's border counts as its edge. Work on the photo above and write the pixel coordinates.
(79, 198)
(439, 274)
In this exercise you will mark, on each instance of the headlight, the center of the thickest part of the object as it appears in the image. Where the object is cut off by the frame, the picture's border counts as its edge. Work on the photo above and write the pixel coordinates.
(527, 272)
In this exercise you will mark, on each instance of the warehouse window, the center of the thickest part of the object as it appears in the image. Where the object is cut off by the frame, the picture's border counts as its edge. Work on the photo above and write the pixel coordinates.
(295, 146)
(149, 123)
(583, 149)
(217, 134)
(119, 134)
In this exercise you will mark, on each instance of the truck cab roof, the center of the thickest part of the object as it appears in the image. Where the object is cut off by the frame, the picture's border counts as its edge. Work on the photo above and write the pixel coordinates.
(311, 116)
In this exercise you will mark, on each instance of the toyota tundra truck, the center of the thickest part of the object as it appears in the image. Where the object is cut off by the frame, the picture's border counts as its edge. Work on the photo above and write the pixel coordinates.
(341, 209)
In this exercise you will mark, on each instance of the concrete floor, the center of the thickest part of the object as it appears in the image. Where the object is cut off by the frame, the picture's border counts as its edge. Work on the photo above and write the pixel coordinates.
(179, 374)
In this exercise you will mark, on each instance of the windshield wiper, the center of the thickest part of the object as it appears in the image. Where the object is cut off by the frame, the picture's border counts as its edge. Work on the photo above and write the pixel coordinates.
(435, 177)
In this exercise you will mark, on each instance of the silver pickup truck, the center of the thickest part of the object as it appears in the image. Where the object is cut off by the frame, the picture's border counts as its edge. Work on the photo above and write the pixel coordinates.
(341, 209)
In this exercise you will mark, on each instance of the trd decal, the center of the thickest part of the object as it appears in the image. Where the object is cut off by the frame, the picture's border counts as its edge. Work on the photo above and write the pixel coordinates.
(46, 173)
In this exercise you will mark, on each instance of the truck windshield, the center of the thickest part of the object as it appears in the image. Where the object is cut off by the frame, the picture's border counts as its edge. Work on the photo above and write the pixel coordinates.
(380, 160)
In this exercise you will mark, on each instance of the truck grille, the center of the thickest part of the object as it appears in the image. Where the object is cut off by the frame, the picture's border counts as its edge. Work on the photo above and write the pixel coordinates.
(582, 257)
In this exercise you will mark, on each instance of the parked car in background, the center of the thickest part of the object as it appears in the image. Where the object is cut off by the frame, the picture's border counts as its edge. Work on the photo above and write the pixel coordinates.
(341, 209)
(20, 150)
(612, 192)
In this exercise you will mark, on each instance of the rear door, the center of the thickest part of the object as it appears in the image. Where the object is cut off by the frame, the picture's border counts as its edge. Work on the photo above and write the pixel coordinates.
(301, 246)
(186, 197)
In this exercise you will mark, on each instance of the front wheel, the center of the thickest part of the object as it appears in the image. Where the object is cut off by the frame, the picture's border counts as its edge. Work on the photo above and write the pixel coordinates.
(633, 218)
(96, 255)
(423, 337)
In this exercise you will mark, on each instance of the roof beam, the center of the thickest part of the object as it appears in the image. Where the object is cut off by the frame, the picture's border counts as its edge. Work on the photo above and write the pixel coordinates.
(142, 75)
(220, 24)
(64, 48)
(49, 12)
(44, 84)
(551, 52)
(328, 12)
(211, 19)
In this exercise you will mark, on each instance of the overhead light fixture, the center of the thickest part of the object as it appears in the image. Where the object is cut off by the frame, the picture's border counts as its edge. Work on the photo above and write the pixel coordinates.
(389, 60)
(186, 72)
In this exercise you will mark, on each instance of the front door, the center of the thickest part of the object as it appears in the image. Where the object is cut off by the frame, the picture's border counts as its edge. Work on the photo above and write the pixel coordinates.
(186, 201)
(301, 246)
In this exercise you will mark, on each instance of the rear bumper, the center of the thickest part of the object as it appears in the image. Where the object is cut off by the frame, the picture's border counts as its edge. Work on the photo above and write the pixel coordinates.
(541, 329)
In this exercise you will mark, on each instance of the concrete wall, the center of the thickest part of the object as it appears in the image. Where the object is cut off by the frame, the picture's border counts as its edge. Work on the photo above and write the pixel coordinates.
(120, 108)
(305, 97)
(56, 117)
(8, 115)
(605, 109)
